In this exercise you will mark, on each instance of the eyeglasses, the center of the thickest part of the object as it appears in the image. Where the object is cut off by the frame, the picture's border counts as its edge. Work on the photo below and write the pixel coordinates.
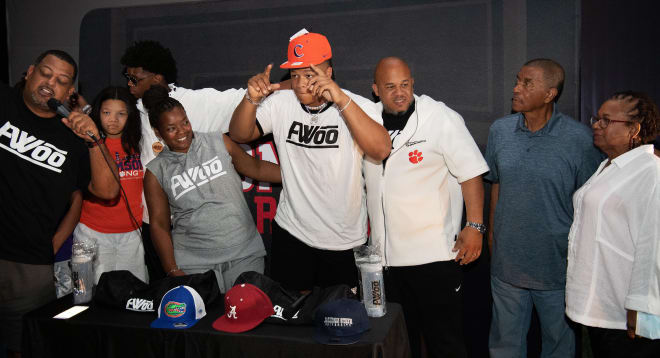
(134, 80)
(604, 122)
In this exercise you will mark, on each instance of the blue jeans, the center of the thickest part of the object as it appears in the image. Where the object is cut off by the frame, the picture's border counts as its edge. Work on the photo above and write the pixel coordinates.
(512, 313)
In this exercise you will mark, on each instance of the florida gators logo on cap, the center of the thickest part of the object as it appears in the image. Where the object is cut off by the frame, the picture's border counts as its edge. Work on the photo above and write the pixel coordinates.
(175, 309)
(181, 307)
(297, 50)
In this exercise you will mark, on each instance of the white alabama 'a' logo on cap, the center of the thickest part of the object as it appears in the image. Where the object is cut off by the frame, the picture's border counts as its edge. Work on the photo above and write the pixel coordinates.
(232, 312)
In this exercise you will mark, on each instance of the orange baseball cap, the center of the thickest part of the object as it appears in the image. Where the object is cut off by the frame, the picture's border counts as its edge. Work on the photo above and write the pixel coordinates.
(307, 48)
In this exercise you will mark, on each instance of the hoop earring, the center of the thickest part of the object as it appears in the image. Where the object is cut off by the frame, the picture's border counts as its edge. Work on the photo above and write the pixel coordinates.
(635, 139)
(634, 142)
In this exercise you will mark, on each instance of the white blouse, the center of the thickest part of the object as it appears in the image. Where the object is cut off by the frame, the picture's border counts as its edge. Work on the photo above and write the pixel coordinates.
(613, 250)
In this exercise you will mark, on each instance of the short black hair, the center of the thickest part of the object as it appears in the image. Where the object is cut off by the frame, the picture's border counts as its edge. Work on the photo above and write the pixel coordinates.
(152, 57)
(329, 61)
(62, 56)
(553, 73)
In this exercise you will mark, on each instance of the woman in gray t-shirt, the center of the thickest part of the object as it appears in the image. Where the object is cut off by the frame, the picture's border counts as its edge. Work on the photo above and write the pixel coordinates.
(195, 182)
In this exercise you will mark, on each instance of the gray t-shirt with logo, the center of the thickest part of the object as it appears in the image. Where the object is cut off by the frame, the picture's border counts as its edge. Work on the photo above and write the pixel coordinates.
(211, 222)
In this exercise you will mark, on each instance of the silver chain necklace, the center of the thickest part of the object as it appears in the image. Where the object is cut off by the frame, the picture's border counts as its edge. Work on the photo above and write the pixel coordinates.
(315, 116)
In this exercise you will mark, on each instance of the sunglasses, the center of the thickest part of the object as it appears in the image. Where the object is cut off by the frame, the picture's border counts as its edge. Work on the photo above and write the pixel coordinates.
(134, 80)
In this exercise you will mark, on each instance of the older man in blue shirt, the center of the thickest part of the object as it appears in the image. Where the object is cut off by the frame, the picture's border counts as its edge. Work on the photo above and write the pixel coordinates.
(538, 157)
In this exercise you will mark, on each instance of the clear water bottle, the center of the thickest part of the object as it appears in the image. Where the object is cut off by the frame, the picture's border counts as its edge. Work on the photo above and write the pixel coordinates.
(373, 289)
(82, 270)
(82, 273)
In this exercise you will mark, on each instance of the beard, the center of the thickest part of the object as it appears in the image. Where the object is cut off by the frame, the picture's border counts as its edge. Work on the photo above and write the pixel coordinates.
(40, 100)
(395, 113)
(398, 114)
(37, 101)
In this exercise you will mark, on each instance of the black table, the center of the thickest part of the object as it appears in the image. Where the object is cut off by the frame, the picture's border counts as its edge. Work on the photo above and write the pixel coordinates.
(104, 332)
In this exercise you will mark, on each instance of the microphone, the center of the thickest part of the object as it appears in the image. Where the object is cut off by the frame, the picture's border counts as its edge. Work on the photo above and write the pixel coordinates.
(63, 111)
(58, 107)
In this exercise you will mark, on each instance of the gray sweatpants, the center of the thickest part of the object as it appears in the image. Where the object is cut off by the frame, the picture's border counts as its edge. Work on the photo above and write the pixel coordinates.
(227, 272)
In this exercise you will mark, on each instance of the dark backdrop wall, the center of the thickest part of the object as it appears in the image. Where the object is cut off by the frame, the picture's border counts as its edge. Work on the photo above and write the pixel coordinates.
(4, 59)
(620, 50)
(464, 53)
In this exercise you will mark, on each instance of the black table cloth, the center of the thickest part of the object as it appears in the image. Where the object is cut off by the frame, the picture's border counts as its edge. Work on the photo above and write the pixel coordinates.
(104, 332)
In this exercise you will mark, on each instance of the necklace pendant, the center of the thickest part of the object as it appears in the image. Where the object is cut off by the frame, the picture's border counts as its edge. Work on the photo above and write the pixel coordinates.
(157, 147)
(315, 116)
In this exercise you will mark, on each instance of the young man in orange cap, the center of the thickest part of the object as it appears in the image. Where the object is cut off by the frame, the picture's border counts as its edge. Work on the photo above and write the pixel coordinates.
(322, 133)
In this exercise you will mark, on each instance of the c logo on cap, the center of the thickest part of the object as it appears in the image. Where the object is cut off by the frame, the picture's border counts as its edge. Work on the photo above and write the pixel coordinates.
(296, 49)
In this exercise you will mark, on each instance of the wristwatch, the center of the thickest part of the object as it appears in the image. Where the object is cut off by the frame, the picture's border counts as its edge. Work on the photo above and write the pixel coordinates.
(478, 226)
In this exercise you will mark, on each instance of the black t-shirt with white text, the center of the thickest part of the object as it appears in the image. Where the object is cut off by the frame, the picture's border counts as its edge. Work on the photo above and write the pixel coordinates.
(42, 162)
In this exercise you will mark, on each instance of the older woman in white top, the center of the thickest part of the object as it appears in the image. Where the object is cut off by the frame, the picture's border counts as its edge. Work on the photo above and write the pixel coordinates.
(614, 242)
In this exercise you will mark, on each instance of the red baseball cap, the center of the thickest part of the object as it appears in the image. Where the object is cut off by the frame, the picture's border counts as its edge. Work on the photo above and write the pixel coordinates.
(307, 48)
(246, 306)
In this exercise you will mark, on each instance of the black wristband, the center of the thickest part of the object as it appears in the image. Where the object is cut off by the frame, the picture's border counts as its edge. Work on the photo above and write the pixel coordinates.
(95, 143)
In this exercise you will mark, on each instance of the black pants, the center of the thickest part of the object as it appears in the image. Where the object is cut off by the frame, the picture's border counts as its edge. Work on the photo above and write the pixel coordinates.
(300, 267)
(615, 343)
(151, 258)
(430, 295)
(23, 288)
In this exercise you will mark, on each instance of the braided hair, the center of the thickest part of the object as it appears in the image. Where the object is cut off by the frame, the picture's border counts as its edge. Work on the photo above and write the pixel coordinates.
(641, 110)
(158, 101)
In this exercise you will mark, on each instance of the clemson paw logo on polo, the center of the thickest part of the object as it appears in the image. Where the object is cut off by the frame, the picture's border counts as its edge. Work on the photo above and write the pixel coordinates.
(415, 156)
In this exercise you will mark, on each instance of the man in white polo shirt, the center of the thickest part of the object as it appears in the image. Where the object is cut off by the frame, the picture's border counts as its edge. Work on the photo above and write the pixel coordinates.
(415, 199)
(321, 132)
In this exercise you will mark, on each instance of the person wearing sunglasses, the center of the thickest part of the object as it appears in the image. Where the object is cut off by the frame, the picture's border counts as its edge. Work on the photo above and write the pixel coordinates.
(149, 63)
(613, 271)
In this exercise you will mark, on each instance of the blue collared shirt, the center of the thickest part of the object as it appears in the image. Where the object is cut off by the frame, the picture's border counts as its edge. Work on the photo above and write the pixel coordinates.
(538, 172)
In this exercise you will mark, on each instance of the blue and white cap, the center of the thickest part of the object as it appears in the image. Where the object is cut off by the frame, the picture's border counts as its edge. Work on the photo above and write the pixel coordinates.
(181, 307)
(341, 321)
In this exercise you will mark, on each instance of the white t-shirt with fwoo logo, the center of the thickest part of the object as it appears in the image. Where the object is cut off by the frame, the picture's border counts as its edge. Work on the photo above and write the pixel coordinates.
(322, 202)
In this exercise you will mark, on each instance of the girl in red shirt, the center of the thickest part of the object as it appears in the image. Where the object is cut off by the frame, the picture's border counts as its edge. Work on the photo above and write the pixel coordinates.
(115, 224)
